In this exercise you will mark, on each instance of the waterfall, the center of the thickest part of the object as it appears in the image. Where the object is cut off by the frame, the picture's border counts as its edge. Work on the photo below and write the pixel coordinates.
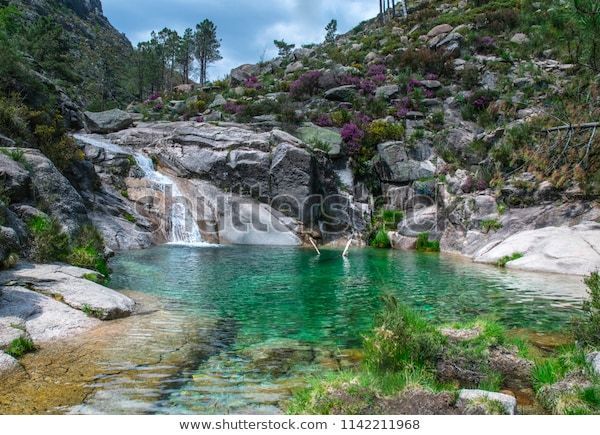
(179, 231)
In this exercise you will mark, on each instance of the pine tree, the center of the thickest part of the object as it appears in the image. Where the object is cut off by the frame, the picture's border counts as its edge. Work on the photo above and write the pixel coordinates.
(284, 48)
(185, 57)
(207, 47)
(331, 30)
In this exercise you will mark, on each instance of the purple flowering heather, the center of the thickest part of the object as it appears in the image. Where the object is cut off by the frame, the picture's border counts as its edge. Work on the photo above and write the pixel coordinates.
(252, 83)
(429, 93)
(431, 76)
(352, 135)
(412, 85)
(155, 96)
(199, 119)
(367, 87)
(233, 108)
(362, 118)
(349, 79)
(376, 70)
(324, 120)
(306, 85)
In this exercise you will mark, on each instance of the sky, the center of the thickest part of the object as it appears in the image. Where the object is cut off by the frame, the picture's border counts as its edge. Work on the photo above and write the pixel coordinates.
(247, 28)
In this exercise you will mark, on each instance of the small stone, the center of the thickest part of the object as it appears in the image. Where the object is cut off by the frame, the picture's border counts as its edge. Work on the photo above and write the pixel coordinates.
(509, 403)
(439, 30)
(520, 38)
(219, 101)
(594, 360)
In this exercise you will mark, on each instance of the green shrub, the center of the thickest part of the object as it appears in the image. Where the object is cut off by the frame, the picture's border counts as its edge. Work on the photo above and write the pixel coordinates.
(10, 261)
(318, 144)
(587, 330)
(49, 243)
(401, 339)
(491, 225)
(391, 219)
(382, 131)
(19, 347)
(507, 259)
(426, 245)
(92, 312)
(88, 258)
(381, 240)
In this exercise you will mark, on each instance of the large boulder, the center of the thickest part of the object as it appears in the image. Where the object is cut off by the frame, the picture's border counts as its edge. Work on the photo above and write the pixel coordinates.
(401, 163)
(566, 250)
(67, 284)
(108, 121)
(311, 134)
(292, 178)
(54, 194)
(342, 93)
(7, 363)
(42, 317)
(14, 177)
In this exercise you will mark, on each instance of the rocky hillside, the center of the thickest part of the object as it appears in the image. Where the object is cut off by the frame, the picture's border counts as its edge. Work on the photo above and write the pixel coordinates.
(469, 127)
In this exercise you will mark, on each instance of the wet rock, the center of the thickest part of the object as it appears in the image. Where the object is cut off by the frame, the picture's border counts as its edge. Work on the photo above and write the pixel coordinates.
(7, 363)
(478, 397)
(108, 121)
(66, 283)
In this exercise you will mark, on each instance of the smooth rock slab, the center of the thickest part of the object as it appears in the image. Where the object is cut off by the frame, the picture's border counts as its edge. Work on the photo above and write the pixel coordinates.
(509, 403)
(43, 318)
(67, 284)
(565, 250)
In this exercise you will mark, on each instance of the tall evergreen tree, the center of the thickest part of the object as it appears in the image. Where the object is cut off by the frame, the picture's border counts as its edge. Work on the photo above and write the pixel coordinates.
(207, 48)
(331, 30)
(185, 56)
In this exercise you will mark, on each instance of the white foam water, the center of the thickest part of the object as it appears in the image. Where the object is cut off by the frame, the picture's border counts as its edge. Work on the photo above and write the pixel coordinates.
(183, 231)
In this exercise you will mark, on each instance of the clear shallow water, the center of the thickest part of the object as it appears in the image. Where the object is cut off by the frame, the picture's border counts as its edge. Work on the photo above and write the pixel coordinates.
(281, 313)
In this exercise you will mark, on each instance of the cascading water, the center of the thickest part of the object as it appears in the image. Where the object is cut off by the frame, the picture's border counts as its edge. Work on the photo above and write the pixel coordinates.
(181, 231)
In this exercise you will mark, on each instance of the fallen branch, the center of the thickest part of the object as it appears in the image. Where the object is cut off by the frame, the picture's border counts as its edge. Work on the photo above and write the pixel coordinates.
(573, 127)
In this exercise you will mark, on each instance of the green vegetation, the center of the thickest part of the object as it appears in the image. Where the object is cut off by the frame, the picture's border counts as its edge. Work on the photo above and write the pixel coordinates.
(381, 240)
(426, 245)
(129, 217)
(505, 260)
(19, 347)
(50, 243)
(491, 225)
(587, 330)
(92, 312)
(401, 353)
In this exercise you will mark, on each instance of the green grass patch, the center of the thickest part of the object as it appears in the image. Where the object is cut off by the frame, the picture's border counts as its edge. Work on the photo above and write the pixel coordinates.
(491, 225)
(426, 245)
(92, 312)
(19, 347)
(507, 259)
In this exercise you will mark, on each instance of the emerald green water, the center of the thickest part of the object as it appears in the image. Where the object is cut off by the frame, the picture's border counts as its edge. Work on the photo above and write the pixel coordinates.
(272, 304)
